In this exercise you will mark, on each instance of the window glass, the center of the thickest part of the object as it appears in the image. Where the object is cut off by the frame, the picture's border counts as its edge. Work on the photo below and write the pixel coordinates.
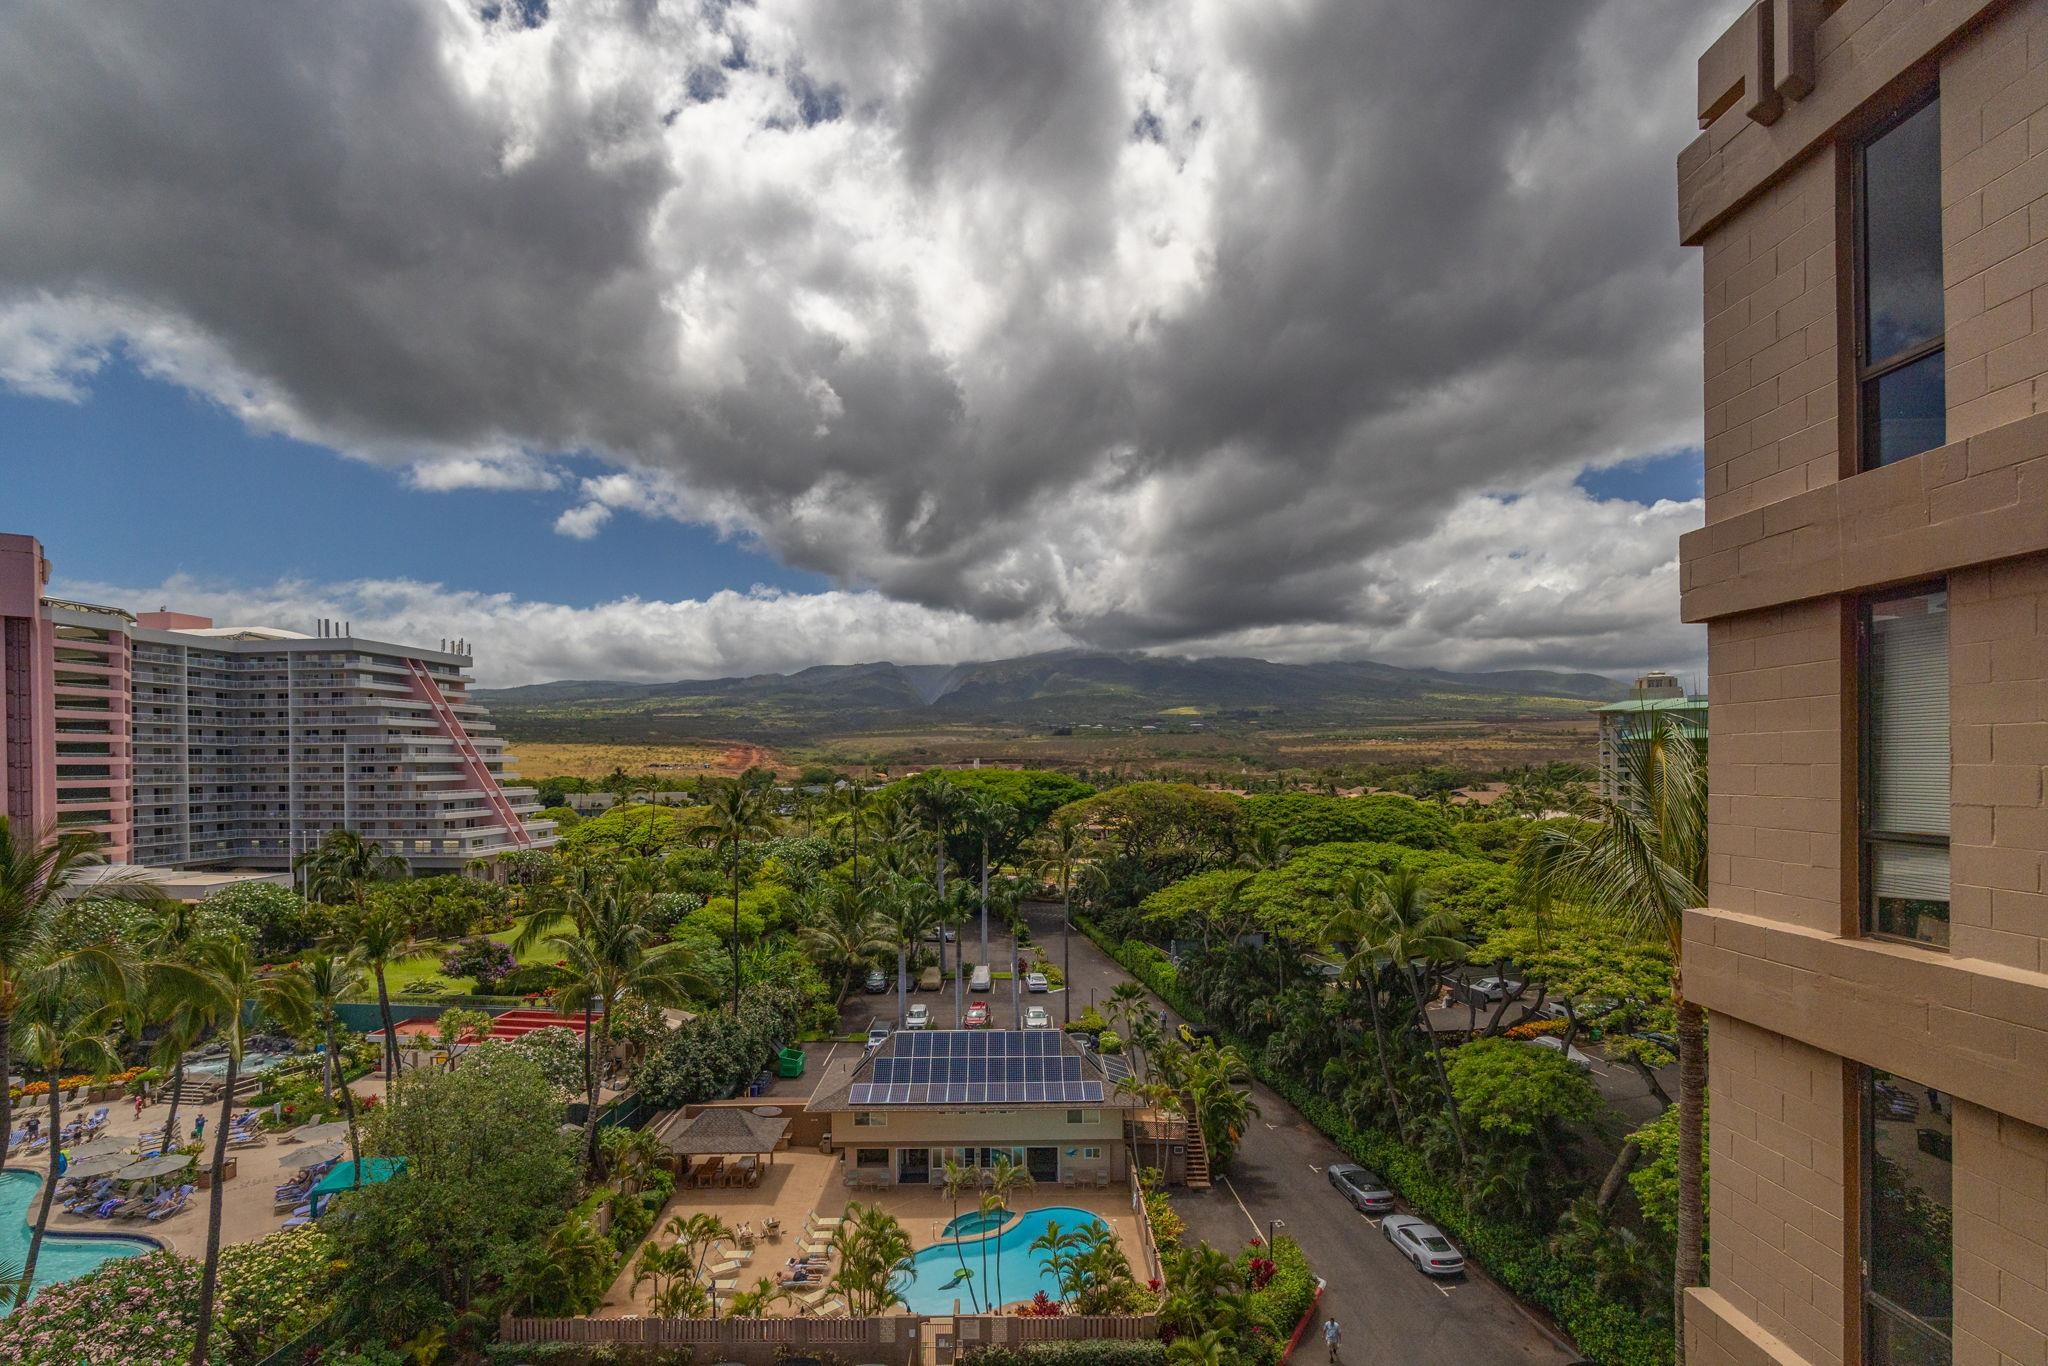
(1906, 750)
(1908, 1239)
(1905, 411)
(1902, 236)
(871, 1157)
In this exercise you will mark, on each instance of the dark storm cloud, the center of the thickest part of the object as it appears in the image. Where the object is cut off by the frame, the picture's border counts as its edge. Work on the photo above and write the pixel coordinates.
(1210, 326)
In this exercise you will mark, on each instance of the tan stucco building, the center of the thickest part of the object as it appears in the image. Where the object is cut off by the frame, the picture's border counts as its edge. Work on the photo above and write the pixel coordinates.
(900, 1112)
(1870, 193)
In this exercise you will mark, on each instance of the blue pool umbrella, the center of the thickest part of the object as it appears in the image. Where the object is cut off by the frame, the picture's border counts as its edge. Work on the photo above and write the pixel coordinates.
(342, 1178)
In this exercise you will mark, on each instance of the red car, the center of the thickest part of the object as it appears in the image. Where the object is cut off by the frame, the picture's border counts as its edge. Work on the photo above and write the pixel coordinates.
(977, 1015)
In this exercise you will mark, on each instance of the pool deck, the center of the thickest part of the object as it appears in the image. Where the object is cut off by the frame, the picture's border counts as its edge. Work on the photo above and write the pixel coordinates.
(804, 1182)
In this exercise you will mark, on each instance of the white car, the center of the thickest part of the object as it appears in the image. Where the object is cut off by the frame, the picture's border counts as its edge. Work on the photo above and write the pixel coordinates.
(920, 1017)
(1497, 988)
(1423, 1244)
(1571, 1055)
(1036, 981)
(1037, 1017)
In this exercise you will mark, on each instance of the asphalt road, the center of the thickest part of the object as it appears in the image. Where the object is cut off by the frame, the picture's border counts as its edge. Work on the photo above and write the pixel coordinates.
(1392, 1315)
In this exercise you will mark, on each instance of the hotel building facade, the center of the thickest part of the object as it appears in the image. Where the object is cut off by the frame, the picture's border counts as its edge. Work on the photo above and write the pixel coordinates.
(181, 744)
(1870, 194)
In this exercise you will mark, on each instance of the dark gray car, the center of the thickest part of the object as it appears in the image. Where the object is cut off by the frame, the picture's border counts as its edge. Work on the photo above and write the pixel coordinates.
(1365, 1191)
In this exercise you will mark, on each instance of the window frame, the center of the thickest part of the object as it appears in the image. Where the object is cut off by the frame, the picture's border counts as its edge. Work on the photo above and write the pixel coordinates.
(1864, 370)
(1866, 768)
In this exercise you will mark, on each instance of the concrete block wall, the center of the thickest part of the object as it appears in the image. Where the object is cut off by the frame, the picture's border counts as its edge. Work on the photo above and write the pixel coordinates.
(1775, 765)
(1998, 642)
(1771, 360)
(2001, 1224)
(1777, 1199)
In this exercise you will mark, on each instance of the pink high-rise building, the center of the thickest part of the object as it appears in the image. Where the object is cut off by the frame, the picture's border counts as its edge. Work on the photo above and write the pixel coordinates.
(182, 743)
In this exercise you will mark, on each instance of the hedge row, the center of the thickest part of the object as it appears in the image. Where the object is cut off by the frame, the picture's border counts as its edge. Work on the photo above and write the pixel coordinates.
(1086, 1352)
(1285, 1298)
(714, 1055)
(1606, 1330)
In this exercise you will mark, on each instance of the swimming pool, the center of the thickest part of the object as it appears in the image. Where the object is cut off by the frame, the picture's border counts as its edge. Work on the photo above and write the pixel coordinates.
(64, 1255)
(975, 1224)
(928, 1284)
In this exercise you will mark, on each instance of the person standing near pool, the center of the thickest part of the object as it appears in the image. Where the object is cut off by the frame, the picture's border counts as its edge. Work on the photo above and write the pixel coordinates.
(199, 1127)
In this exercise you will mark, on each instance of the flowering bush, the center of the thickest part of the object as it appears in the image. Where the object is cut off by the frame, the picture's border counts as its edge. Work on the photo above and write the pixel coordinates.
(1536, 1029)
(482, 958)
(1039, 1306)
(71, 1083)
(142, 1311)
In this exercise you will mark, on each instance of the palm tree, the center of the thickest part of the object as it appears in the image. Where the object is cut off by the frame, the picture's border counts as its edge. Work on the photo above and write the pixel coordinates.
(33, 871)
(1004, 1175)
(1644, 862)
(755, 1303)
(1403, 929)
(72, 1024)
(182, 1029)
(328, 979)
(985, 818)
(912, 912)
(616, 953)
(736, 817)
(1352, 925)
(345, 865)
(853, 804)
(226, 985)
(937, 806)
(959, 1179)
(1057, 851)
(1219, 1084)
(380, 937)
(843, 933)
(871, 1245)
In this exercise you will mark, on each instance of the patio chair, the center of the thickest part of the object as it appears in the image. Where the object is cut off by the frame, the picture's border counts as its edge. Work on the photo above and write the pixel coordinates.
(832, 1308)
(810, 1302)
(175, 1205)
(85, 1201)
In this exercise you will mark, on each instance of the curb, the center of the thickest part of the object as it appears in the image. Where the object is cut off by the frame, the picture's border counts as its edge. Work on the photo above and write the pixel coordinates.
(1306, 1315)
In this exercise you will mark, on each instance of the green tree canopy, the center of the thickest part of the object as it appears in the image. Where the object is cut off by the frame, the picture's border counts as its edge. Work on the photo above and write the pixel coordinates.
(1302, 819)
(635, 828)
(1516, 1089)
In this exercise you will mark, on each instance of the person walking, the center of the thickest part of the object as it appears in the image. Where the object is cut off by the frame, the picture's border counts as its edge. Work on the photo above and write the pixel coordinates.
(1332, 1330)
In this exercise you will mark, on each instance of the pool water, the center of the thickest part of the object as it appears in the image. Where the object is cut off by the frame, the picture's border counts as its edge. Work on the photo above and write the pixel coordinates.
(63, 1256)
(975, 1224)
(927, 1285)
(253, 1065)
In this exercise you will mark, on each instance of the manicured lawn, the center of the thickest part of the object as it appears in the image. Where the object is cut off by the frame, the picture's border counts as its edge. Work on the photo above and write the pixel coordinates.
(425, 965)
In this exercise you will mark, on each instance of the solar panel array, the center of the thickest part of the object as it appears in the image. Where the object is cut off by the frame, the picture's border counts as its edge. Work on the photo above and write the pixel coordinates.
(977, 1067)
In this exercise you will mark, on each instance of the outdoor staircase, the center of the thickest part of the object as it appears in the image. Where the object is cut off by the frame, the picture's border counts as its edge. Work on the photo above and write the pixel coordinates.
(1196, 1175)
(206, 1090)
(480, 776)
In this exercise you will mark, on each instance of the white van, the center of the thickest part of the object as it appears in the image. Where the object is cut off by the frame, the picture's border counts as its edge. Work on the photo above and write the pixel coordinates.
(979, 980)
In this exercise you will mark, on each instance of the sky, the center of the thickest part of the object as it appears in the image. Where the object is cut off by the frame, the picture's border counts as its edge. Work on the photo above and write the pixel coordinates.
(649, 340)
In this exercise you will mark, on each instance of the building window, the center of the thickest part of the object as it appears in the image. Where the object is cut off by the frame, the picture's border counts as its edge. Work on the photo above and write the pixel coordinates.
(1906, 767)
(1091, 1153)
(868, 1119)
(871, 1157)
(1076, 1116)
(1908, 1243)
(1899, 366)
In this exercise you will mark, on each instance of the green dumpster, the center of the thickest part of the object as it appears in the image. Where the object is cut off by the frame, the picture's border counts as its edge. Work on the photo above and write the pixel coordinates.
(789, 1063)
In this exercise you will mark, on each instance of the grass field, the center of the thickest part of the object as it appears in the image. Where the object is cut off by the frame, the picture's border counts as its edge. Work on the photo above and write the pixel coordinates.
(553, 759)
(425, 966)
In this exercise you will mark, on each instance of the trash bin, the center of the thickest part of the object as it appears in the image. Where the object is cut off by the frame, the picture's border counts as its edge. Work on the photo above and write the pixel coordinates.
(789, 1062)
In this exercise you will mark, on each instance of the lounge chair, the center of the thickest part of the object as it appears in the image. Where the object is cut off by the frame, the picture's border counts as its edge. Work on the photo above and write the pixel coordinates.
(174, 1205)
(832, 1308)
(85, 1201)
(807, 1303)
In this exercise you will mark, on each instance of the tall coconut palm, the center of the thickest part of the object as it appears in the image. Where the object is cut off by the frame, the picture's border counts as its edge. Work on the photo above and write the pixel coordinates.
(379, 935)
(854, 804)
(958, 1180)
(1644, 862)
(912, 911)
(1402, 928)
(1352, 927)
(330, 977)
(736, 816)
(617, 954)
(1055, 855)
(71, 1023)
(340, 871)
(226, 984)
(34, 868)
(1004, 1176)
(986, 819)
(841, 932)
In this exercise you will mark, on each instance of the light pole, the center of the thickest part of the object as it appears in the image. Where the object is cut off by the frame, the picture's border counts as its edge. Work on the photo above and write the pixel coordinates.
(1273, 1227)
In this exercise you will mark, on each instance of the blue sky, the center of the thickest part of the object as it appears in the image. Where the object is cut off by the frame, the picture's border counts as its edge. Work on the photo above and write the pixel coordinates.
(1677, 475)
(144, 481)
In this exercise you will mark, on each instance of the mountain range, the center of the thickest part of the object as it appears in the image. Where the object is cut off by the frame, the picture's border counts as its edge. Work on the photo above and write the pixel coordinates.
(1058, 689)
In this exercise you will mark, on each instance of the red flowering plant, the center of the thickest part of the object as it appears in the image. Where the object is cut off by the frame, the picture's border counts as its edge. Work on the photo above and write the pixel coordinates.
(1039, 1306)
(1259, 1272)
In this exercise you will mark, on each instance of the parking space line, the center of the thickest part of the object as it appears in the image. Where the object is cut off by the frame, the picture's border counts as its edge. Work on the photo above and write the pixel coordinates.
(1257, 1232)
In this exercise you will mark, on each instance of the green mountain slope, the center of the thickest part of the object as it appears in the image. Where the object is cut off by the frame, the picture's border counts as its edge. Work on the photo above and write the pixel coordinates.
(1064, 688)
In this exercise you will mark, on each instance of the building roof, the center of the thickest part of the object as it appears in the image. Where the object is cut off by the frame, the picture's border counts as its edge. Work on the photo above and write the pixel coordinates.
(729, 1130)
(1657, 704)
(952, 1069)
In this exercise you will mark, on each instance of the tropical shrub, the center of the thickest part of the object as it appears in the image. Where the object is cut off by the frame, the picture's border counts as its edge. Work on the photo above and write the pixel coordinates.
(482, 958)
(1085, 1352)
(1283, 1289)
(276, 920)
(712, 1056)
(1301, 819)
(558, 1053)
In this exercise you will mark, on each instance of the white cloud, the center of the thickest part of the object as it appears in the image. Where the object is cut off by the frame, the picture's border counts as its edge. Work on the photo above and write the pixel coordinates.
(583, 521)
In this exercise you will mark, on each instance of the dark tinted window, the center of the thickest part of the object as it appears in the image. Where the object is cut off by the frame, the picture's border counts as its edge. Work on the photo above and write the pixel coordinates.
(1899, 355)
(1902, 235)
(1908, 1237)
